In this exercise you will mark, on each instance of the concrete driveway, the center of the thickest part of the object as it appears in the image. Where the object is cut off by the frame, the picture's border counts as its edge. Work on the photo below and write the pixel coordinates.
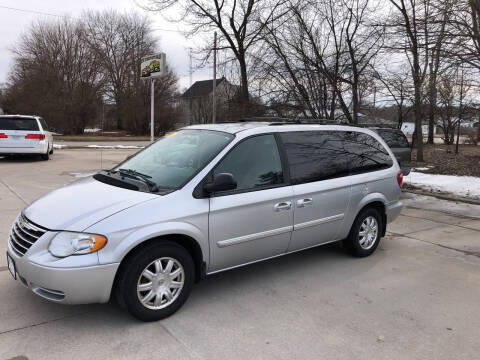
(417, 297)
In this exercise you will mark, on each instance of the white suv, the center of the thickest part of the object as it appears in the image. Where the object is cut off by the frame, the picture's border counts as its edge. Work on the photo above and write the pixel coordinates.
(22, 134)
(205, 199)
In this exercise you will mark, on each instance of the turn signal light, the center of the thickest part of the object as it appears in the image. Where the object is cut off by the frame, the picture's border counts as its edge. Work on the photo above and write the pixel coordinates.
(3, 136)
(400, 179)
(35, 136)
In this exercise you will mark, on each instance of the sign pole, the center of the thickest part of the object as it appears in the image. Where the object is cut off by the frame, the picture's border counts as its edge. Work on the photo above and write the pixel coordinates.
(152, 110)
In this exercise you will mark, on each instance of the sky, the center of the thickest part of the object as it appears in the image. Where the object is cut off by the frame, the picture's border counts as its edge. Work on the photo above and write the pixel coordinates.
(15, 22)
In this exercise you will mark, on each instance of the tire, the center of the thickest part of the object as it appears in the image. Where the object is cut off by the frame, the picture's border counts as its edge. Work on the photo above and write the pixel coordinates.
(158, 302)
(51, 151)
(364, 245)
(45, 156)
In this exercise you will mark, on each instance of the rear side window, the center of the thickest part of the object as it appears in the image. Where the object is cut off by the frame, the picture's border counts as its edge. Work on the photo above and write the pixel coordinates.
(44, 124)
(255, 163)
(12, 123)
(394, 138)
(315, 155)
(365, 153)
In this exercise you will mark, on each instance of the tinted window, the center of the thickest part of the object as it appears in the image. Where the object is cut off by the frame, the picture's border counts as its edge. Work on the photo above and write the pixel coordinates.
(254, 163)
(365, 153)
(173, 160)
(18, 124)
(44, 124)
(394, 138)
(315, 155)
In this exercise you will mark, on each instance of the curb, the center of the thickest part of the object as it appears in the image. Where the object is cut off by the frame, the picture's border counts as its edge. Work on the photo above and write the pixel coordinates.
(443, 196)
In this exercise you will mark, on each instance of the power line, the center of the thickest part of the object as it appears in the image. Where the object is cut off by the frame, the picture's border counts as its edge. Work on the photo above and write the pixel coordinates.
(37, 12)
(66, 16)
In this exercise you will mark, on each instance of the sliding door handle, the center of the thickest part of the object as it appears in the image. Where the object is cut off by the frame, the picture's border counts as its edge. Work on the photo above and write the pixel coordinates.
(304, 202)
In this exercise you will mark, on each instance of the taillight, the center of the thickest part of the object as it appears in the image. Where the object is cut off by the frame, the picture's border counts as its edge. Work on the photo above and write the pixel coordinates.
(35, 136)
(3, 136)
(400, 179)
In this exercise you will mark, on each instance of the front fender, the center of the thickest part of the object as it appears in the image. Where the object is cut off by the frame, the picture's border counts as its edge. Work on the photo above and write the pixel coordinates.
(117, 251)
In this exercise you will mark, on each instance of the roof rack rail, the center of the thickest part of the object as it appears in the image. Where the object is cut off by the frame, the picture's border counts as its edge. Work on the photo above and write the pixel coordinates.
(386, 126)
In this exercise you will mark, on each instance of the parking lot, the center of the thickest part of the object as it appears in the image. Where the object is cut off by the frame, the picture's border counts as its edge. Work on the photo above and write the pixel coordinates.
(417, 297)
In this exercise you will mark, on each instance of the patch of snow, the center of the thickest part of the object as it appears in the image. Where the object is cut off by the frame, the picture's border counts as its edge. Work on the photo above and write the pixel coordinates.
(465, 186)
(91, 130)
(409, 127)
(58, 146)
(82, 175)
(422, 168)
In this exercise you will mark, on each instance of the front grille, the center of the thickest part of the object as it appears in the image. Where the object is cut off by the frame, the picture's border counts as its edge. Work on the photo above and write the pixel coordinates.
(24, 234)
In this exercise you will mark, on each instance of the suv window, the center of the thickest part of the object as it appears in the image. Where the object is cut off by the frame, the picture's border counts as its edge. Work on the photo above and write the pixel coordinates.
(315, 155)
(366, 154)
(255, 163)
(394, 138)
(44, 124)
(18, 123)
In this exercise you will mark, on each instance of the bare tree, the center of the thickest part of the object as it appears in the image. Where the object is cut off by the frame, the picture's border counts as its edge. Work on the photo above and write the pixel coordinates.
(406, 25)
(119, 41)
(436, 21)
(56, 75)
(318, 60)
(396, 85)
(240, 24)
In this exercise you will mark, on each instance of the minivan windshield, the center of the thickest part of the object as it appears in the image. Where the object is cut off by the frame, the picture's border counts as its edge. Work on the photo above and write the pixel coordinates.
(172, 160)
(18, 123)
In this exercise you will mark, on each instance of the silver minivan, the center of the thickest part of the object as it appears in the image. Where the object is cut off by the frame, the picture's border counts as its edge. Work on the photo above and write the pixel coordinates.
(204, 199)
(24, 134)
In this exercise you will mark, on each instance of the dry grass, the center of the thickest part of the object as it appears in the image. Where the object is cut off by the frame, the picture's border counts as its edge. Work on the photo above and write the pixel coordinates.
(443, 160)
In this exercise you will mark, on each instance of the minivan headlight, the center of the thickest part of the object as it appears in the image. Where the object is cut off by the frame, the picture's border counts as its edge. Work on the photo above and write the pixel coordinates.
(67, 243)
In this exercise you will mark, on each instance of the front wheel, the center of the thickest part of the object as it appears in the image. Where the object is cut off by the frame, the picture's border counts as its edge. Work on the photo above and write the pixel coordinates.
(365, 234)
(156, 281)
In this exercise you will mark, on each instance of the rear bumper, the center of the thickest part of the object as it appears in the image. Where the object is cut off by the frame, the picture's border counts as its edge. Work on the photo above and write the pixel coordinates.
(41, 148)
(393, 210)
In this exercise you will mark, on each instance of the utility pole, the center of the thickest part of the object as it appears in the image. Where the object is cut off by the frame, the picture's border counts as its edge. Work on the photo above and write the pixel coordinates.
(152, 107)
(214, 112)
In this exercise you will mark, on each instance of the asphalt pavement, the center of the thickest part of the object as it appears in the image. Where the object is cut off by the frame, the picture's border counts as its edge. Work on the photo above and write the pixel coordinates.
(416, 298)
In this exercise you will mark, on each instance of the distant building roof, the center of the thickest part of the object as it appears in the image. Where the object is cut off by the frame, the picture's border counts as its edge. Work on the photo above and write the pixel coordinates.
(201, 88)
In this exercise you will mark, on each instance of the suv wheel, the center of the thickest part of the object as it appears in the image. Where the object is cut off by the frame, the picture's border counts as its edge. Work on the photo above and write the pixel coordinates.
(365, 235)
(156, 281)
(45, 156)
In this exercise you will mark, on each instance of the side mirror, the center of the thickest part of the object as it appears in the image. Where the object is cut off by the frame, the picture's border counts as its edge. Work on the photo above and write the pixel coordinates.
(221, 182)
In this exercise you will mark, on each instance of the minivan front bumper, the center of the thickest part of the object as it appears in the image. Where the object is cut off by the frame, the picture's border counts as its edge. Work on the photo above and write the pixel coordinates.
(74, 285)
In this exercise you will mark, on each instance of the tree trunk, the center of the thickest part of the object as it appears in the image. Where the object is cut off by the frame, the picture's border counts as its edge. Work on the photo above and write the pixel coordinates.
(244, 95)
(355, 101)
(418, 122)
(432, 108)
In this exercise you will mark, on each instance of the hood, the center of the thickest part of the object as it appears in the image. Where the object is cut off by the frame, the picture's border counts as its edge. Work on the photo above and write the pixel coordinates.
(78, 205)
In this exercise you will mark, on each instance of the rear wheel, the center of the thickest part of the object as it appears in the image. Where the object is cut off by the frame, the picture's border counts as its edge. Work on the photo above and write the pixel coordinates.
(45, 156)
(156, 281)
(365, 234)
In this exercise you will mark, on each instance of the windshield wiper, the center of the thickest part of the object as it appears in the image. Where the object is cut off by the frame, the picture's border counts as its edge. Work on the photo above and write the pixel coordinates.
(138, 175)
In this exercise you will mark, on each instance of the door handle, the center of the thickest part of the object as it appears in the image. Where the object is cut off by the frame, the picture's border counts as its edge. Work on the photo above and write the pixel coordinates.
(304, 202)
(286, 205)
